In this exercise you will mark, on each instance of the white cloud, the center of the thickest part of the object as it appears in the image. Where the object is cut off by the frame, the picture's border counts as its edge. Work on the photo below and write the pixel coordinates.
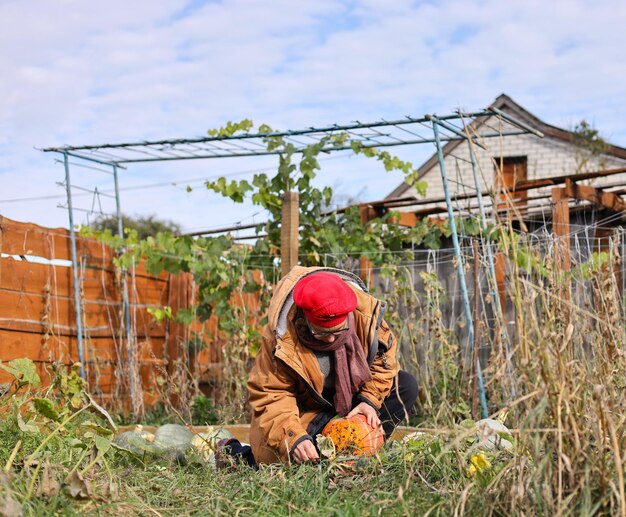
(80, 72)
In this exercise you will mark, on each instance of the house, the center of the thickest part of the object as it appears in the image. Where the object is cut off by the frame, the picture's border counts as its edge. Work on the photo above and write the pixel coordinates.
(513, 160)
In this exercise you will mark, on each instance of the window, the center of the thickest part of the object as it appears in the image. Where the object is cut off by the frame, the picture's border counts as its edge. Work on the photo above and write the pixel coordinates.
(509, 172)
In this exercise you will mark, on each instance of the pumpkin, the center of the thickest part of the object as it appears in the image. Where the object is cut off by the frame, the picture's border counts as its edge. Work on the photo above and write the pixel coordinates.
(493, 435)
(173, 436)
(353, 435)
(137, 444)
(143, 433)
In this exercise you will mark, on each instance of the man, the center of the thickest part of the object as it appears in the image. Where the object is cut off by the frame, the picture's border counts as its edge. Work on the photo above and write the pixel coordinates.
(326, 350)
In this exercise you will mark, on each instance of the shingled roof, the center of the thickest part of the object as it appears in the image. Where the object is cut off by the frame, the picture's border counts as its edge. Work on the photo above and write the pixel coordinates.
(508, 105)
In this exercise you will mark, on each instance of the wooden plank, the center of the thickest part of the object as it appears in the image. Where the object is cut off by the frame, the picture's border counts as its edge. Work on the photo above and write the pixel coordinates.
(93, 251)
(101, 365)
(19, 275)
(49, 243)
(16, 345)
(29, 277)
(180, 297)
(588, 193)
(405, 219)
(96, 284)
(20, 308)
(102, 285)
(54, 243)
(152, 348)
(500, 271)
(36, 312)
(139, 269)
(148, 291)
(561, 227)
(31, 239)
(289, 236)
(509, 173)
(556, 180)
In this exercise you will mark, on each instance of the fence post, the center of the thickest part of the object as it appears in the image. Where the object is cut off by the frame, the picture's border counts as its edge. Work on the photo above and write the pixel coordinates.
(561, 229)
(289, 235)
(365, 264)
(560, 225)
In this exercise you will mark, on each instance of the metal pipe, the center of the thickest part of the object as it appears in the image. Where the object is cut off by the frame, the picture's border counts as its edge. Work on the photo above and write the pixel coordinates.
(89, 159)
(125, 303)
(457, 131)
(331, 148)
(460, 267)
(517, 123)
(492, 269)
(222, 230)
(247, 136)
(328, 149)
(79, 321)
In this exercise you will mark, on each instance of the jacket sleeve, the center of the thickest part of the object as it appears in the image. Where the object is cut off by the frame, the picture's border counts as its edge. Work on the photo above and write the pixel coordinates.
(272, 398)
(384, 368)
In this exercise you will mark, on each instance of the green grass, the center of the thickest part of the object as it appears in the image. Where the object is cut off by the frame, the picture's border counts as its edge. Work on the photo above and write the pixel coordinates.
(427, 476)
(393, 488)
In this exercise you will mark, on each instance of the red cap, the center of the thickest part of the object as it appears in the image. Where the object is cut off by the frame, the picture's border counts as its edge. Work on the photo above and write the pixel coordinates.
(325, 299)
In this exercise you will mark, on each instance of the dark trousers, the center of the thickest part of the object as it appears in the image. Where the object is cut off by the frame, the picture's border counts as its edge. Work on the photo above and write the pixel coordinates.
(400, 403)
(398, 406)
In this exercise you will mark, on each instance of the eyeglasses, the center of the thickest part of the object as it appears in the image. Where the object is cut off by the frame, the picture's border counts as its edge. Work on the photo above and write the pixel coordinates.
(335, 333)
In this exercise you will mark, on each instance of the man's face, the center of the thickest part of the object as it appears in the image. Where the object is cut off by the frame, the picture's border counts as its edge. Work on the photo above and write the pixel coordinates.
(328, 334)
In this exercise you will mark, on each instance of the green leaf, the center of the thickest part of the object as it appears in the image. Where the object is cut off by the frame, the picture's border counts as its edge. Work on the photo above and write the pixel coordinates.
(46, 408)
(102, 443)
(72, 385)
(160, 313)
(231, 128)
(185, 316)
(421, 187)
(24, 371)
(75, 443)
(102, 431)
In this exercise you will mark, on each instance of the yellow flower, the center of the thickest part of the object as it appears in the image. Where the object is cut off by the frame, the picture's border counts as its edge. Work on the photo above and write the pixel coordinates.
(479, 462)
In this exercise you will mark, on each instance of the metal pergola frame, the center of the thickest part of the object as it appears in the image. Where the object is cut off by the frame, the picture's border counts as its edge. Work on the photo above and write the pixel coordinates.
(432, 129)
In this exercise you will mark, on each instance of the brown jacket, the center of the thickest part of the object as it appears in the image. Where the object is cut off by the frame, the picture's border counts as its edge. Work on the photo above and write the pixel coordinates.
(286, 383)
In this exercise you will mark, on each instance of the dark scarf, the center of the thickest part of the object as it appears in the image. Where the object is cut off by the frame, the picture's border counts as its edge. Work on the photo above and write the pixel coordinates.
(351, 369)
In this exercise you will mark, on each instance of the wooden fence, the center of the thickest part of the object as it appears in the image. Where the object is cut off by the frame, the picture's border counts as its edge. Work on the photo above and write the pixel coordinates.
(38, 316)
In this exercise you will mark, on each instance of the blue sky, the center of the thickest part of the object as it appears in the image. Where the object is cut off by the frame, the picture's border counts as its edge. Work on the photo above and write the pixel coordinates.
(80, 72)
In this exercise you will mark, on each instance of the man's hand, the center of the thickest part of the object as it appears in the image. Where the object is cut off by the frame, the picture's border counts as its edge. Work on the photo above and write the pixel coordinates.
(305, 451)
(368, 411)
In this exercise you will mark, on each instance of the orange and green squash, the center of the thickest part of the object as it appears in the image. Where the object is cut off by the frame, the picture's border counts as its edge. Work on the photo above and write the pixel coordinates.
(354, 435)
